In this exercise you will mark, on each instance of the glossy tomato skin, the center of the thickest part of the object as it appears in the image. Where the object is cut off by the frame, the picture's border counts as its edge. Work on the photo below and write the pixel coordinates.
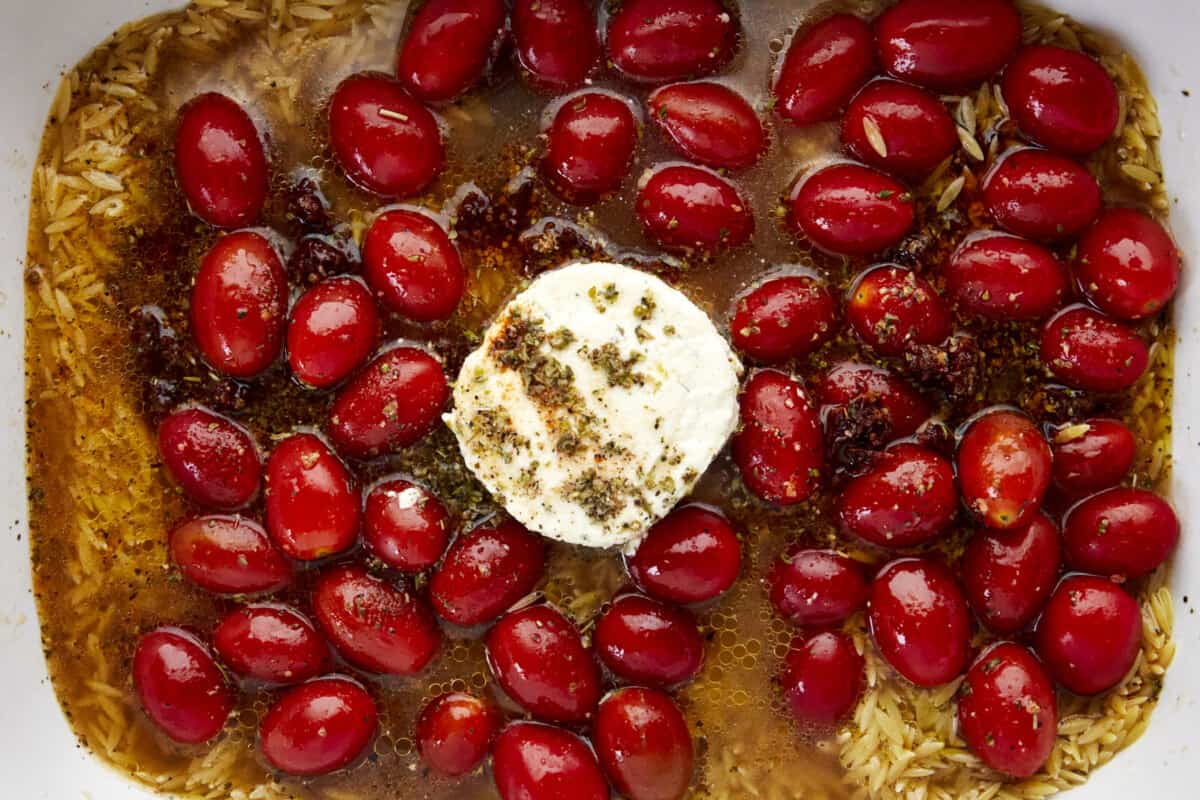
(1001, 277)
(555, 42)
(375, 624)
(180, 686)
(907, 498)
(1061, 99)
(313, 506)
(1120, 532)
(920, 621)
(816, 587)
(212, 458)
(783, 318)
(824, 66)
(667, 40)
(646, 641)
(947, 45)
(1041, 195)
(848, 385)
(412, 266)
(708, 123)
(394, 401)
(779, 448)
(914, 127)
(691, 555)
(333, 329)
(1091, 351)
(1089, 635)
(1127, 264)
(686, 208)
(538, 658)
(270, 642)
(589, 146)
(1007, 710)
(228, 555)
(405, 525)
(892, 308)
(822, 677)
(644, 745)
(318, 727)
(239, 304)
(486, 571)
(1008, 575)
(1093, 455)
(851, 210)
(1004, 466)
(533, 761)
(220, 161)
(455, 732)
(383, 138)
(449, 46)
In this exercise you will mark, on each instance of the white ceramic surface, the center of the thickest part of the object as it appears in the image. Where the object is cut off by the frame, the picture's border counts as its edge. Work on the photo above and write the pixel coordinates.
(39, 758)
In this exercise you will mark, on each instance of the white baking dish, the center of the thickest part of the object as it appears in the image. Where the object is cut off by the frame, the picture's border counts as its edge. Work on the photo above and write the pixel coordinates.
(39, 39)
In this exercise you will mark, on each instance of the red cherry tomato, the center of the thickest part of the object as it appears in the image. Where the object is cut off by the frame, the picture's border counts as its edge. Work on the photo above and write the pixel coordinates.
(1120, 532)
(644, 745)
(824, 66)
(1008, 575)
(270, 642)
(1003, 468)
(538, 658)
(1089, 635)
(334, 328)
(313, 507)
(412, 266)
(666, 40)
(1002, 277)
(1041, 195)
(318, 727)
(180, 686)
(708, 123)
(589, 146)
(555, 41)
(212, 458)
(778, 449)
(851, 210)
(784, 318)
(532, 761)
(646, 641)
(239, 304)
(915, 132)
(376, 625)
(1061, 98)
(816, 587)
(685, 208)
(383, 138)
(449, 46)
(689, 556)
(220, 162)
(892, 308)
(405, 526)
(455, 732)
(1007, 710)
(920, 621)
(1092, 455)
(486, 571)
(391, 404)
(948, 45)
(849, 385)
(822, 677)
(907, 498)
(1127, 264)
(228, 555)
(1090, 351)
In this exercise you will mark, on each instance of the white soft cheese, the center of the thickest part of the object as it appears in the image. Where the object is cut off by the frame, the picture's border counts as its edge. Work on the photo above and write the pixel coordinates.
(598, 397)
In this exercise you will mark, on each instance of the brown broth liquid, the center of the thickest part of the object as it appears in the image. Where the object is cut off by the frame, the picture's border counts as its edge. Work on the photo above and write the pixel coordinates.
(733, 707)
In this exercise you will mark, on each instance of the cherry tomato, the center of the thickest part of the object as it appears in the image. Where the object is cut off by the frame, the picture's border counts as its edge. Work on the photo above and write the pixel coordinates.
(824, 66)
(313, 506)
(816, 587)
(1002, 277)
(822, 677)
(412, 266)
(850, 210)
(1041, 195)
(270, 642)
(644, 745)
(666, 40)
(948, 45)
(1089, 635)
(848, 385)
(691, 555)
(1120, 532)
(1004, 467)
(228, 555)
(1127, 264)
(920, 621)
(1092, 455)
(555, 41)
(532, 761)
(646, 641)
(1008, 575)
(334, 328)
(220, 161)
(708, 123)
(449, 46)
(778, 449)
(892, 308)
(899, 128)
(180, 686)
(1061, 98)
(486, 571)
(455, 732)
(685, 208)
(318, 727)
(784, 318)
(405, 526)
(1090, 351)
(907, 498)
(212, 458)
(589, 146)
